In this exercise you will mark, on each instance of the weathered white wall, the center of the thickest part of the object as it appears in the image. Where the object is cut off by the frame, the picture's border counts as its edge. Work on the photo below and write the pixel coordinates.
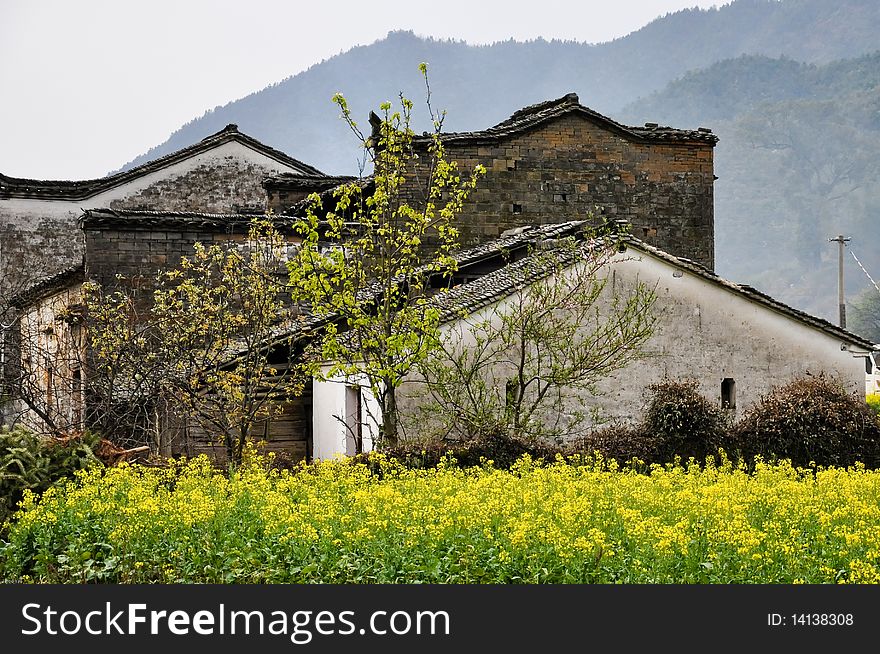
(40, 236)
(331, 435)
(708, 333)
(704, 332)
(52, 349)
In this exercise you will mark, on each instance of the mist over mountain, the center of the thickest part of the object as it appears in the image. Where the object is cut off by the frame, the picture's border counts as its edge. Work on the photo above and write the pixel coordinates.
(791, 87)
(482, 85)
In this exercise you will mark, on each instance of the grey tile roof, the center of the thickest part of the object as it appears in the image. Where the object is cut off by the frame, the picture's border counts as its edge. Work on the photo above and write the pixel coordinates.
(295, 182)
(298, 209)
(48, 285)
(495, 285)
(533, 116)
(185, 220)
(15, 187)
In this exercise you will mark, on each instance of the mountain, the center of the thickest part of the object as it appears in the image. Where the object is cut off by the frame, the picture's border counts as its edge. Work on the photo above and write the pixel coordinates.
(798, 162)
(790, 87)
(482, 85)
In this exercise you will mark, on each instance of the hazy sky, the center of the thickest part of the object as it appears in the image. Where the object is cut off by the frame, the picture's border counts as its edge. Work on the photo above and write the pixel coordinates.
(87, 85)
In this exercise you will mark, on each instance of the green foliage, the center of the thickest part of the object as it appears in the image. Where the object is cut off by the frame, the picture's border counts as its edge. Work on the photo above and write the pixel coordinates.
(392, 234)
(680, 421)
(33, 463)
(873, 402)
(339, 522)
(863, 314)
(811, 420)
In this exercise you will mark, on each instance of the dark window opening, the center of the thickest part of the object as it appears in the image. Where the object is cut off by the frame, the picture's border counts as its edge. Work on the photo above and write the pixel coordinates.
(560, 197)
(728, 394)
(517, 208)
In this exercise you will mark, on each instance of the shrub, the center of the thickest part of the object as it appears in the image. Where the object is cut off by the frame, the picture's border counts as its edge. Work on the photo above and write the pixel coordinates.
(31, 462)
(499, 447)
(679, 421)
(619, 442)
(812, 419)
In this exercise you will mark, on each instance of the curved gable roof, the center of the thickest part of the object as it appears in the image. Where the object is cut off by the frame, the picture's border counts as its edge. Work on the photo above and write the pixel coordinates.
(15, 187)
(533, 116)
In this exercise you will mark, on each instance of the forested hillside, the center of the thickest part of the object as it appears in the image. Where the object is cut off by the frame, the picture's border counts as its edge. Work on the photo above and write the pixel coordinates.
(798, 163)
(791, 88)
(482, 85)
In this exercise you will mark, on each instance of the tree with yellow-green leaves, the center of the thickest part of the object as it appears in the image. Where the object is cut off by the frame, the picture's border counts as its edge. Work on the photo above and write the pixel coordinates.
(202, 345)
(395, 231)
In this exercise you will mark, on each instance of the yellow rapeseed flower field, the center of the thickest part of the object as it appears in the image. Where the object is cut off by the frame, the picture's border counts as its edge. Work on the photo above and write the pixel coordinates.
(340, 522)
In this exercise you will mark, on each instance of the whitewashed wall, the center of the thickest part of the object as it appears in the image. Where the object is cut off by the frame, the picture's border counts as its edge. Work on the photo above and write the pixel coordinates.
(705, 332)
(334, 419)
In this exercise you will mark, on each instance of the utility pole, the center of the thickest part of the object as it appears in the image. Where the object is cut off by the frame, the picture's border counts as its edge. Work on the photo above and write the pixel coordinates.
(841, 301)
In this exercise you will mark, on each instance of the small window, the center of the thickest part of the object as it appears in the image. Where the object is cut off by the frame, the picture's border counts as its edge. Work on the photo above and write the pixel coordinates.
(560, 197)
(728, 394)
(517, 208)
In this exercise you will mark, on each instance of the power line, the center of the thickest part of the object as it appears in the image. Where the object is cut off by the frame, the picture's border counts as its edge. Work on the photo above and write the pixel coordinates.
(867, 274)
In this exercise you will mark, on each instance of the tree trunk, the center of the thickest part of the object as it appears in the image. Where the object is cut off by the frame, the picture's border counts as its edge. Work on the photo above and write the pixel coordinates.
(239, 445)
(389, 417)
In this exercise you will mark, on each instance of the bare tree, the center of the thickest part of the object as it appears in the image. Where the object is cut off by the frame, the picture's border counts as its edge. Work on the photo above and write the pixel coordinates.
(204, 347)
(524, 365)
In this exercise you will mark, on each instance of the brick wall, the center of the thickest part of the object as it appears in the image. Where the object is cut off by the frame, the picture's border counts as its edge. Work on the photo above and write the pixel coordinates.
(569, 167)
(139, 254)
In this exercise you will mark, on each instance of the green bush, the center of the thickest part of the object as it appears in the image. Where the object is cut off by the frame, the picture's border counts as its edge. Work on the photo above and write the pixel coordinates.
(31, 462)
(499, 447)
(811, 420)
(678, 421)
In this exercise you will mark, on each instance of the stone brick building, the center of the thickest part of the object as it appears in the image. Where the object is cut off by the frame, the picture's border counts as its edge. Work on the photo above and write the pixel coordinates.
(559, 160)
(42, 237)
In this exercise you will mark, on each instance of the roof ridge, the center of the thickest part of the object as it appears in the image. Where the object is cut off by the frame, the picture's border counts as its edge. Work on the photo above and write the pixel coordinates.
(568, 98)
(43, 286)
(534, 115)
(84, 189)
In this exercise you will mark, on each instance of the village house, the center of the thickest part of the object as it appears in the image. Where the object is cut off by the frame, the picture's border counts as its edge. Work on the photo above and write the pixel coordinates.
(552, 168)
(734, 341)
(42, 243)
